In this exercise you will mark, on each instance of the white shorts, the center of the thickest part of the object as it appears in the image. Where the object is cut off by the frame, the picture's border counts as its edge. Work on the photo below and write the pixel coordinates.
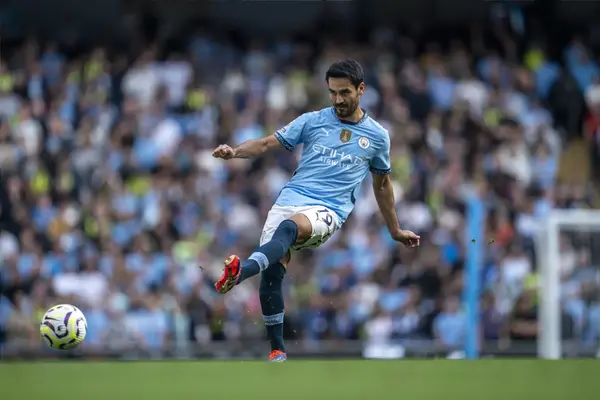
(324, 223)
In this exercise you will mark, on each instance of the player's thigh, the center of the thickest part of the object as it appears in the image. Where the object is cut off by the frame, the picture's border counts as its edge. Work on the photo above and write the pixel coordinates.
(321, 222)
(315, 226)
(276, 216)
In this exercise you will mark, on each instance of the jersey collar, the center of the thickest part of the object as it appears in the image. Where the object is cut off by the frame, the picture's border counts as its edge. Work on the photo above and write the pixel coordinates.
(364, 117)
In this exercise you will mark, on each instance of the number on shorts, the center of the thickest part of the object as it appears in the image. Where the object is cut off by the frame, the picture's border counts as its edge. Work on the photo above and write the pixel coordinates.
(328, 219)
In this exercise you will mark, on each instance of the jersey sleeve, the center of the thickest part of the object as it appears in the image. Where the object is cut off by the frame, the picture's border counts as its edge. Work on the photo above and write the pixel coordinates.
(292, 134)
(380, 164)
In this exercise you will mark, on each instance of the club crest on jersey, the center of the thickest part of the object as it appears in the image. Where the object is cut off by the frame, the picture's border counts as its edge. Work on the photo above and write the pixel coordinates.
(345, 135)
(363, 142)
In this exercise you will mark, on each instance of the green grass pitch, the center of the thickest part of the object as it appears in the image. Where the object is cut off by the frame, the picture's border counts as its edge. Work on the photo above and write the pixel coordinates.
(298, 379)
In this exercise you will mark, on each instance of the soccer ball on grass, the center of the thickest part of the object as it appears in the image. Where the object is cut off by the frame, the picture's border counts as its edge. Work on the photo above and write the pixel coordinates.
(63, 327)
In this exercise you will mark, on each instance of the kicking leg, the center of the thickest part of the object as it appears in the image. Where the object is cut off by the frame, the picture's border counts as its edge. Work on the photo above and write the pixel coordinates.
(292, 231)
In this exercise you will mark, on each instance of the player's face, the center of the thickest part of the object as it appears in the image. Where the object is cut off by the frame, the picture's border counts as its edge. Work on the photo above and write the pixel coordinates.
(345, 97)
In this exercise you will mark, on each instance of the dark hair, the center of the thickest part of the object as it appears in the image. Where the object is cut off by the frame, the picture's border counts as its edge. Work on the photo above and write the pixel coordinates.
(346, 69)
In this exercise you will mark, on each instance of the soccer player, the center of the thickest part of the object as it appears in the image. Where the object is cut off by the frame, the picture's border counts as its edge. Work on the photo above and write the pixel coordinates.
(341, 145)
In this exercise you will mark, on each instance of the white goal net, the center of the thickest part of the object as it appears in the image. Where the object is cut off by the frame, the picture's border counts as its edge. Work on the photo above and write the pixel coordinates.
(568, 265)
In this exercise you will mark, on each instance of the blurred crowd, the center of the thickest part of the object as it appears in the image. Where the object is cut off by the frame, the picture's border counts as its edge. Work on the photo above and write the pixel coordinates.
(110, 198)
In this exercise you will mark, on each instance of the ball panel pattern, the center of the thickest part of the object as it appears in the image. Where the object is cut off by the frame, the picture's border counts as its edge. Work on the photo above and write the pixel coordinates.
(63, 327)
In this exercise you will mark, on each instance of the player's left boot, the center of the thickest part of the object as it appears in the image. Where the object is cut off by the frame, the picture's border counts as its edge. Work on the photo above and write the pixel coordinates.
(231, 274)
(277, 356)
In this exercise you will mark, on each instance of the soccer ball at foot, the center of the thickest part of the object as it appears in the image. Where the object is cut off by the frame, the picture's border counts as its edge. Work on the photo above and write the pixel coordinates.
(63, 327)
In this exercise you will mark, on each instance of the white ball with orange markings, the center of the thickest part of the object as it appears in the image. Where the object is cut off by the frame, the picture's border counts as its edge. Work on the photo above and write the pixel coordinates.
(63, 327)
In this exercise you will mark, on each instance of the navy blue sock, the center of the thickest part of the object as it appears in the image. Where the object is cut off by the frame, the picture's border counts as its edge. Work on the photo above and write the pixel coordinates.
(249, 269)
(271, 252)
(271, 303)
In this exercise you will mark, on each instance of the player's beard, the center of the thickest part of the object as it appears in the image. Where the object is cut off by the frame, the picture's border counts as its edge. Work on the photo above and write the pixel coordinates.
(346, 110)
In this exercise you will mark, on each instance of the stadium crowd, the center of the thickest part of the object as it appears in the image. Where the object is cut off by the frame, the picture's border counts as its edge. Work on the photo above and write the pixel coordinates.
(110, 198)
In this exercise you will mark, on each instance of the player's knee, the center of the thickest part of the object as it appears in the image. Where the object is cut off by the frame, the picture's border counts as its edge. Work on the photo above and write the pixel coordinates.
(288, 228)
(304, 227)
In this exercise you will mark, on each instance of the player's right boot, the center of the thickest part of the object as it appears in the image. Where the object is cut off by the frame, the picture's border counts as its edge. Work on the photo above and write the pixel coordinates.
(277, 356)
(231, 274)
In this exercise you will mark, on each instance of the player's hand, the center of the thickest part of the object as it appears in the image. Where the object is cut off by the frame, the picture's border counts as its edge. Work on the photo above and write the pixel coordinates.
(224, 151)
(407, 238)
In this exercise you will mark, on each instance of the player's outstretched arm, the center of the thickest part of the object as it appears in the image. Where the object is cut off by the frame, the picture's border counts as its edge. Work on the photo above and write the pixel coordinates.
(249, 149)
(384, 194)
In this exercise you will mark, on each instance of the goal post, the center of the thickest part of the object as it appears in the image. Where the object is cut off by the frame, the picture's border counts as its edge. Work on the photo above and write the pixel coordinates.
(548, 259)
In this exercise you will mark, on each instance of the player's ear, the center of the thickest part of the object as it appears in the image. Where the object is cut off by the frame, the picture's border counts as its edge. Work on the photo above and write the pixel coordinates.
(361, 88)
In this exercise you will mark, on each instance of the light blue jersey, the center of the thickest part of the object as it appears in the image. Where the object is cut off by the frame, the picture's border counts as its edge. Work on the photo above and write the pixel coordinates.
(336, 158)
